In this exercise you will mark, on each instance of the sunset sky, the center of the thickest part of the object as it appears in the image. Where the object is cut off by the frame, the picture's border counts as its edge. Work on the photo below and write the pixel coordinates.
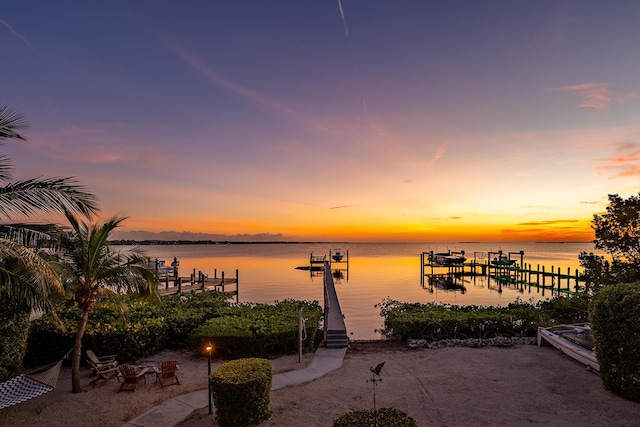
(328, 120)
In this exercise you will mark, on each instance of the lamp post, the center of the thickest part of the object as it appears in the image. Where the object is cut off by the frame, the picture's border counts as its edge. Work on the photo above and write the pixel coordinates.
(209, 347)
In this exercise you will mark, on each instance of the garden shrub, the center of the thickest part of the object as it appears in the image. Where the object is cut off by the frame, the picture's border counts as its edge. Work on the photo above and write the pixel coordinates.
(614, 316)
(240, 390)
(259, 330)
(436, 322)
(564, 309)
(145, 327)
(14, 327)
(382, 417)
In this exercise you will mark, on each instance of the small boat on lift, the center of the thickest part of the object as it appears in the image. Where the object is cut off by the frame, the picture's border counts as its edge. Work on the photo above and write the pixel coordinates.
(160, 267)
(447, 258)
(574, 340)
(337, 255)
(503, 260)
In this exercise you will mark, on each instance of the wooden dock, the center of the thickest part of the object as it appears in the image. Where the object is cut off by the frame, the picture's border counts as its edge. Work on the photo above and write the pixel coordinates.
(521, 275)
(334, 328)
(171, 283)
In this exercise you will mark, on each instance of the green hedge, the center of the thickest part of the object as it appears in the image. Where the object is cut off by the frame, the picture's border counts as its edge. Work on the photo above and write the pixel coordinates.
(14, 326)
(240, 390)
(615, 321)
(382, 417)
(258, 330)
(435, 322)
(145, 327)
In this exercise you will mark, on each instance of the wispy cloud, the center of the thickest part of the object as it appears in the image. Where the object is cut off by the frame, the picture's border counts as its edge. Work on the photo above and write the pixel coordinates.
(438, 155)
(625, 161)
(597, 95)
(594, 95)
(549, 222)
(344, 22)
(94, 145)
(341, 207)
(627, 98)
(19, 36)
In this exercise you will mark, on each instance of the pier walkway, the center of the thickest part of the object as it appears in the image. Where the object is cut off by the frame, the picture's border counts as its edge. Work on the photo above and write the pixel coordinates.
(334, 327)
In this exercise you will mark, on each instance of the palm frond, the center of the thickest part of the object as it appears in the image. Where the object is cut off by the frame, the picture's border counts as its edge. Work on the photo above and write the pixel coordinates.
(11, 122)
(26, 276)
(93, 269)
(46, 195)
(6, 168)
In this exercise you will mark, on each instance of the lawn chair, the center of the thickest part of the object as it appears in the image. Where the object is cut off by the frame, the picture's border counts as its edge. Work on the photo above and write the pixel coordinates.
(101, 363)
(131, 379)
(104, 374)
(166, 375)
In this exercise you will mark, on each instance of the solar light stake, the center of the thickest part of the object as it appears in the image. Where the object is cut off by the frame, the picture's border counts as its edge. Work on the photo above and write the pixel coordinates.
(209, 348)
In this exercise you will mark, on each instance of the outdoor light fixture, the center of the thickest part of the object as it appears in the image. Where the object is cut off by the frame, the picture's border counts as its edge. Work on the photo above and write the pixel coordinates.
(209, 347)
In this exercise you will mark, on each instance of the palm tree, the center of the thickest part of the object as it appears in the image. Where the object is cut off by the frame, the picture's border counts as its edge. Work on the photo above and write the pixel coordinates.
(90, 269)
(25, 278)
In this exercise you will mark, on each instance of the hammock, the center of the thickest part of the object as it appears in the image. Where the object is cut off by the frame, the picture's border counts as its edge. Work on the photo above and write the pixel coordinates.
(28, 386)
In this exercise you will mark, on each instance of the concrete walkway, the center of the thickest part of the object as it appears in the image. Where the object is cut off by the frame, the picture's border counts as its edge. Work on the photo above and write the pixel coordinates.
(177, 409)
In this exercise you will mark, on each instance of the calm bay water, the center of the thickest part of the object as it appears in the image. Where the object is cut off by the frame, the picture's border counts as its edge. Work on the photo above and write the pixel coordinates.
(267, 272)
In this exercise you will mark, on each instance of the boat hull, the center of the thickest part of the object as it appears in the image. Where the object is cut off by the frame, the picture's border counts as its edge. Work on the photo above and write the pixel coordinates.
(571, 349)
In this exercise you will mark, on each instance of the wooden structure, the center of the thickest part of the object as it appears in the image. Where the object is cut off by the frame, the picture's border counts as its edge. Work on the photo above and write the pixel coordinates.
(170, 282)
(521, 275)
(335, 331)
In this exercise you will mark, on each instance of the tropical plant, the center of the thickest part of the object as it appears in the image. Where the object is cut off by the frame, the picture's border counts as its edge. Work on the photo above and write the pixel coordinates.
(90, 269)
(617, 232)
(25, 278)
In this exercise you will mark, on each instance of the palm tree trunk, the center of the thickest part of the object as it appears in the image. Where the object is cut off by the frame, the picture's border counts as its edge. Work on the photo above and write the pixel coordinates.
(77, 352)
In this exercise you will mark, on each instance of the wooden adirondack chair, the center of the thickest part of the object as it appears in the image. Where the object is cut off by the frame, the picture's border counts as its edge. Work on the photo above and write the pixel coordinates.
(166, 375)
(131, 379)
(101, 363)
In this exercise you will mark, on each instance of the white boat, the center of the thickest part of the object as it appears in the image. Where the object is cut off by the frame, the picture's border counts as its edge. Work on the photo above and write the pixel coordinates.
(337, 255)
(447, 258)
(575, 341)
(502, 259)
(160, 267)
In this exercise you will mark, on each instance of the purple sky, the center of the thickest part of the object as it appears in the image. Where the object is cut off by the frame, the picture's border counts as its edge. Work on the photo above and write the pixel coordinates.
(328, 120)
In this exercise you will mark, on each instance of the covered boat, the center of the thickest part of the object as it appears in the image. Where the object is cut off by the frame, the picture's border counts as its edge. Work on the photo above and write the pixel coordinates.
(574, 340)
(447, 258)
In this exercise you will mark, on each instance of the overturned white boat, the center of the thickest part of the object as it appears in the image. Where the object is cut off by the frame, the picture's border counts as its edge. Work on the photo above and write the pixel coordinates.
(574, 340)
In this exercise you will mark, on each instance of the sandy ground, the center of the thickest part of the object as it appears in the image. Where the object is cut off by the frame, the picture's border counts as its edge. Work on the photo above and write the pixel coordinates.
(456, 386)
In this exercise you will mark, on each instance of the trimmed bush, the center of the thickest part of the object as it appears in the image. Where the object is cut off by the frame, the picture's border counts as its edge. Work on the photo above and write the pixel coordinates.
(382, 417)
(230, 336)
(436, 322)
(615, 321)
(259, 330)
(240, 390)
